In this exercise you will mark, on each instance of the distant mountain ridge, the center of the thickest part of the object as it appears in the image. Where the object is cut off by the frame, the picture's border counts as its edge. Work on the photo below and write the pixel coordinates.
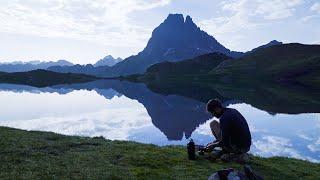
(175, 39)
(106, 71)
(19, 66)
(88, 69)
(107, 61)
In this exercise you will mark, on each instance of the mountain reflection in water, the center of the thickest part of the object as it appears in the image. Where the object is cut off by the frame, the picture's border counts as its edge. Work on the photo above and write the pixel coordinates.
(131, 111)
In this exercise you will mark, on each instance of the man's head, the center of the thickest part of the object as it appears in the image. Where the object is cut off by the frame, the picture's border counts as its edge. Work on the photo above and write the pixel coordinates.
(214, 106)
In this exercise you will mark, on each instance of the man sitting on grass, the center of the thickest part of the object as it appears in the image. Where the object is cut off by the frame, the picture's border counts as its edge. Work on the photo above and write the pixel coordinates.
(232, 133)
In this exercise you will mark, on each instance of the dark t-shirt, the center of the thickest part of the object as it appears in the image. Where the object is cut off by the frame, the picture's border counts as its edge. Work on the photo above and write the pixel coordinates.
(235, 130)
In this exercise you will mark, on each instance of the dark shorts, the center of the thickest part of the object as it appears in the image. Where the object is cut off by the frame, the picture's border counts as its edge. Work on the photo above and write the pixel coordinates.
(235, 149)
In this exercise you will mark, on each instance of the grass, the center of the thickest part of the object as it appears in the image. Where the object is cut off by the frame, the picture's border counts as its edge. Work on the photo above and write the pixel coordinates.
(45, 155)
(293, 63)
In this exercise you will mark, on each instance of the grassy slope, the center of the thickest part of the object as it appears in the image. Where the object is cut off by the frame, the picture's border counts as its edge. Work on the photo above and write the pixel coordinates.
(42, 78)
(32, 154)
(184, 69)
(287, 63)
(283, 62)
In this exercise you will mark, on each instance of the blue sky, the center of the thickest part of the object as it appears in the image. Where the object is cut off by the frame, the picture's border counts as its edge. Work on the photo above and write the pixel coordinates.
(85, 31)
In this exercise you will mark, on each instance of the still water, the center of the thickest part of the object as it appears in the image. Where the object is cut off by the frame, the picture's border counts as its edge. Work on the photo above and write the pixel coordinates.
(130, 111)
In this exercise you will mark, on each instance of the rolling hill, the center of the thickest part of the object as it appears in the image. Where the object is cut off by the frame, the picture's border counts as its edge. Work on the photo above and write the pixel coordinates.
(284, 63)
(288, 63)
(42, 78)
(191, 67)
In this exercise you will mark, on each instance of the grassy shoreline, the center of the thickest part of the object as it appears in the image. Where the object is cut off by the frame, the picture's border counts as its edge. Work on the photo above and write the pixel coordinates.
(43, 155)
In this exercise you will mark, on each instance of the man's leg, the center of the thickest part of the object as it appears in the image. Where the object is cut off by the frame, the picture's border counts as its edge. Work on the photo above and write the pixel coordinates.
(216, 130)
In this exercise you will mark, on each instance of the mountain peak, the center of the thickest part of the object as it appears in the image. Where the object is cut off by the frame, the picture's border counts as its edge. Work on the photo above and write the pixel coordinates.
(271, 43)
(109, 60)
(179, 19)
(179, 38)
(190, 24)
(189, 20)
(274, 42)
(109, 57)
(174, 18)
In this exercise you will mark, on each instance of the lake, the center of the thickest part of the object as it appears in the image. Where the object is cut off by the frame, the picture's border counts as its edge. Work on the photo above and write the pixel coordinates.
(121, 110)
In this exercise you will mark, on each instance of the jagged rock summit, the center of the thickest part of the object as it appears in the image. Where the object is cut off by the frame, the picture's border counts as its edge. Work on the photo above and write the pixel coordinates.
(176, 38)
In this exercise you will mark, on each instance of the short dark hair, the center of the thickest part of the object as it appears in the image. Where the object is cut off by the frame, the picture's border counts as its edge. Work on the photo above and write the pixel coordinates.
(213, 104)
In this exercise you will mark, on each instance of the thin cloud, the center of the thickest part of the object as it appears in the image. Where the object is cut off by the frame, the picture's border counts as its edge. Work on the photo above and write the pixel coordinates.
(239, 17)
(277, 146)
(277, 9)
(315, 147)
(245, 14)
(315, 7)
(104, 21)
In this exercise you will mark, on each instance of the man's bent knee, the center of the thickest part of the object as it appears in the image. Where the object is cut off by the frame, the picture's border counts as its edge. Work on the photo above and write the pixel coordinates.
(214, 124)
(215, 128)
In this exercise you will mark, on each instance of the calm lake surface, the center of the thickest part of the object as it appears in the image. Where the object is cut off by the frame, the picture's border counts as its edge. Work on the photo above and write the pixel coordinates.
(130, 111)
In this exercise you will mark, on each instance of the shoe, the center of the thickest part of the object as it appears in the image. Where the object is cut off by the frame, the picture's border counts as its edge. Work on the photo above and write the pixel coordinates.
(227, 157)
(216, 153)
(243, 158)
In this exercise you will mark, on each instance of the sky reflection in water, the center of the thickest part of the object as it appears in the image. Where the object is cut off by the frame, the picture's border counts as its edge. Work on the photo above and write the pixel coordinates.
(150, 118)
